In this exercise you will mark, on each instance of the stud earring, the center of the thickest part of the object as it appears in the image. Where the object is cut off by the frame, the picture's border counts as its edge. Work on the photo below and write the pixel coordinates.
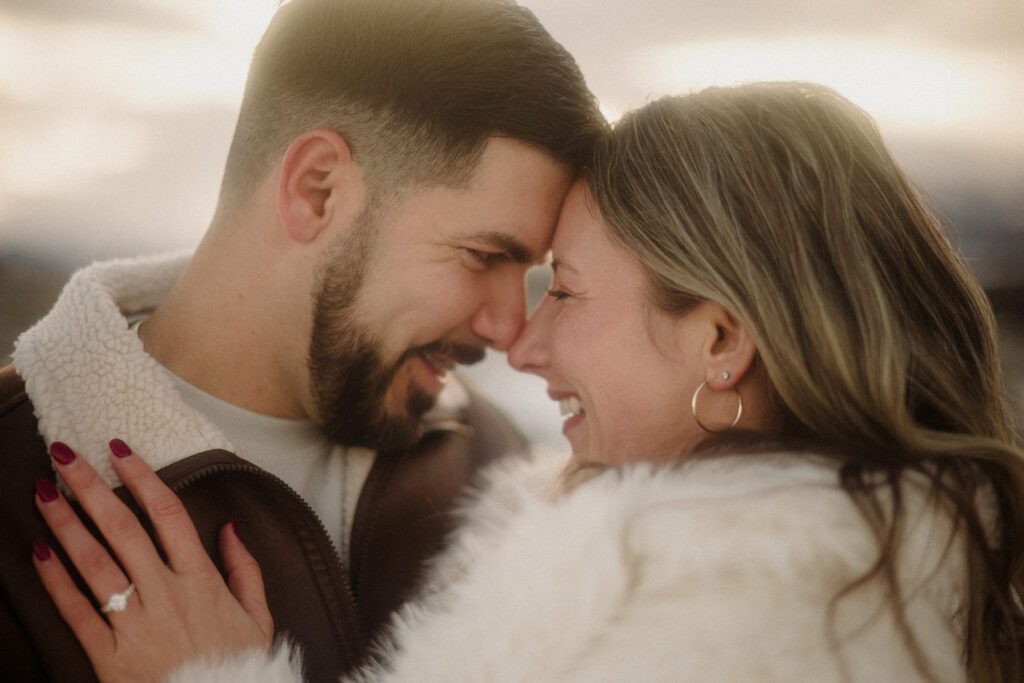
(726, 375)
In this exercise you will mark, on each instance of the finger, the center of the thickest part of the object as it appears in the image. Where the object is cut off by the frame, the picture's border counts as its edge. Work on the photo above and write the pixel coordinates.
(92, 632)
(103, 576)
(118, 524)
(173, 525)
(245, 580)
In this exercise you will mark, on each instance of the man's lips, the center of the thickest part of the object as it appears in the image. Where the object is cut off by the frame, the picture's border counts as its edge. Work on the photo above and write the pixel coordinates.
(461, 354)
(443, 356)
(439, 364)
(435, 360)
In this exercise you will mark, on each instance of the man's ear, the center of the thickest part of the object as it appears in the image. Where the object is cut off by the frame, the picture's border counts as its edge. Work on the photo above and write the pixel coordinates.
(729, 350)
(316, 171)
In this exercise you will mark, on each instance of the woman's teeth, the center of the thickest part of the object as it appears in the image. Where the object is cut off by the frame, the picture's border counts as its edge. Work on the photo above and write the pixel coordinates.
(570, 407)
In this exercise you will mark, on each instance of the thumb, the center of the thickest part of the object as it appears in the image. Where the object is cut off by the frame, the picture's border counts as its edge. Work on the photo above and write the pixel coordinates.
(245, 581)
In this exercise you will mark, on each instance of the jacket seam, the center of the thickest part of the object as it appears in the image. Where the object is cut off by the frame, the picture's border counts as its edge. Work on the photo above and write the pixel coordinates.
(12, 403)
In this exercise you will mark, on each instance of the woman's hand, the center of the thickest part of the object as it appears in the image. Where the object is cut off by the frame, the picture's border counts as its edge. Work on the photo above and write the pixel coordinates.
(176, 611)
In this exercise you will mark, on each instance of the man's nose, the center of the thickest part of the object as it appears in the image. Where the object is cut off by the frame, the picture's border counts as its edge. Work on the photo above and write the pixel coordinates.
(501, 317)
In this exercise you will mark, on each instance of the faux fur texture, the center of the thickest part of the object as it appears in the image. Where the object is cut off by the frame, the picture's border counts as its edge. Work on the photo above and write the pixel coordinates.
(279, 667)
(719, 570)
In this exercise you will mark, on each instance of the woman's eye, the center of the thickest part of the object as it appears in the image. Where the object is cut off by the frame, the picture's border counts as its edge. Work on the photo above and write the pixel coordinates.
(558, 294)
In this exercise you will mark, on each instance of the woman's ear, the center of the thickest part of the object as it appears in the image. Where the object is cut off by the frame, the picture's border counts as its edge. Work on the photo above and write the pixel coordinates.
(315, 171)
(729, 349)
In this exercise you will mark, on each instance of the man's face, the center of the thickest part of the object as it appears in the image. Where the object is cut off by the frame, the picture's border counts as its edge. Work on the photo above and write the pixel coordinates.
(425, 284)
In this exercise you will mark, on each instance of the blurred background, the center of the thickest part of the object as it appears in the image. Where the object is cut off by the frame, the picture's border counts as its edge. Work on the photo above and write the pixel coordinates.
(115, 118)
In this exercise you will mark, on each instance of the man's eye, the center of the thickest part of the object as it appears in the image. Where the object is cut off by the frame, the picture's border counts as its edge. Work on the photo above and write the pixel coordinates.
(479, 260)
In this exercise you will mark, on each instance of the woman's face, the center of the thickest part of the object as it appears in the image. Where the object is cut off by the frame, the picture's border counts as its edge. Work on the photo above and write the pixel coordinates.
(622, 371)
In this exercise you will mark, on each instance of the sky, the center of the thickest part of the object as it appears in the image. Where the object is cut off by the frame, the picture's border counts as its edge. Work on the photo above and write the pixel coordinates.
(115, 115)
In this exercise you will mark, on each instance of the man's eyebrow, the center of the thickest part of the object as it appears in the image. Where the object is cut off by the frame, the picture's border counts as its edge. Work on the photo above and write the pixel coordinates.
(516, 250)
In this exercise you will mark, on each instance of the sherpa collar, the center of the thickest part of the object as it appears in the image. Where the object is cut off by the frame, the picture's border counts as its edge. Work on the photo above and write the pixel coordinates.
(90, 380)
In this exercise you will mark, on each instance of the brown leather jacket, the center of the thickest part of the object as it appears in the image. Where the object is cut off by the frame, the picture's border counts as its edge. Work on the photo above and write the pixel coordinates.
(331, 611)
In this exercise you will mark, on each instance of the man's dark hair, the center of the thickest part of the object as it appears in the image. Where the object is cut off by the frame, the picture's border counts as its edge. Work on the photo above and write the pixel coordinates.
(415, 86)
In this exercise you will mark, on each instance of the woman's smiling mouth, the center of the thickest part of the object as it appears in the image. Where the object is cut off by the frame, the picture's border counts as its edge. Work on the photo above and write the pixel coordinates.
(571, 410)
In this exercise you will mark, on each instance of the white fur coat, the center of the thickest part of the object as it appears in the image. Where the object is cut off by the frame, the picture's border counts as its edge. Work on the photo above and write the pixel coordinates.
(720, 570)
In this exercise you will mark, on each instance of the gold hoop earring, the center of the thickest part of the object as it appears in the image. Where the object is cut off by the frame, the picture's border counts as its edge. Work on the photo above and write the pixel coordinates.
(693, 409)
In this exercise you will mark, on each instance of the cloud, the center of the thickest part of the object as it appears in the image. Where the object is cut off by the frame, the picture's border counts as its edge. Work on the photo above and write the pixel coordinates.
(925, 67)
(122, 12)
(118, 119)
(983, 23)
(161, 198)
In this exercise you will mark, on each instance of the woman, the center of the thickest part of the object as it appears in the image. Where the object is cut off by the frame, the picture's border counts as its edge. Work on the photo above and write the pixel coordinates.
(751, 300)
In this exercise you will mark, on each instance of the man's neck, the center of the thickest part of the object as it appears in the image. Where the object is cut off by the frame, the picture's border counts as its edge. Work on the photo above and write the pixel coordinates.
(219, 332)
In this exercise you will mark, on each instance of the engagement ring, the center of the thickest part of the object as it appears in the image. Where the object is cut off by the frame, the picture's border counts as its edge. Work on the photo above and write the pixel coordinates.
(119, 601)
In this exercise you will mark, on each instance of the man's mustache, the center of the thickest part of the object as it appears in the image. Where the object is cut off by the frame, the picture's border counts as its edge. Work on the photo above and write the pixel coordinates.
(463, 354)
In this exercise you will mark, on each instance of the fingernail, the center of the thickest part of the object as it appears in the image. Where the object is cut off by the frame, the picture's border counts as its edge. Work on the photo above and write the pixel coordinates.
(234, 527)
(62, 453)
(40, 549)
(45, 489)
(120, 448)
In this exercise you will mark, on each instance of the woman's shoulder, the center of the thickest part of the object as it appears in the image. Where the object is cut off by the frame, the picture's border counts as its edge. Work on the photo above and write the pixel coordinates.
(764, 489)
(787, 496)
(742, 524)
(753, 507)
(760, 547)
(717, 569)
(777, 517)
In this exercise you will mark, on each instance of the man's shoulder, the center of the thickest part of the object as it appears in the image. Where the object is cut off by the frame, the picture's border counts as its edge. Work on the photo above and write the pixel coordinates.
(21, 447)
(12, 390)
(27, 611)
(19, 427)
(23, 454)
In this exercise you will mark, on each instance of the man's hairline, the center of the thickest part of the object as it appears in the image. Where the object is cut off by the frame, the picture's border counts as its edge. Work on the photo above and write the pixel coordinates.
(461, 181)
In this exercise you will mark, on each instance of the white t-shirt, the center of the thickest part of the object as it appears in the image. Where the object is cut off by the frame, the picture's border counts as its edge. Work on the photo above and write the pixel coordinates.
(328, 476)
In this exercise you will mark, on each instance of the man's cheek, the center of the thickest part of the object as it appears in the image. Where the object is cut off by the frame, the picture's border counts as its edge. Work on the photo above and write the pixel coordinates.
(397, 396)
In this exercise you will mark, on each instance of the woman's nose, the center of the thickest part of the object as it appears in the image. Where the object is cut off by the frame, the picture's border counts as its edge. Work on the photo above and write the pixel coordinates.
(529, 352)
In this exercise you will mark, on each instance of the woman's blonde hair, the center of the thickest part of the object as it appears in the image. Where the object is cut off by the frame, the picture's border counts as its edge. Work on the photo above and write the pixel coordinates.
(781, 202)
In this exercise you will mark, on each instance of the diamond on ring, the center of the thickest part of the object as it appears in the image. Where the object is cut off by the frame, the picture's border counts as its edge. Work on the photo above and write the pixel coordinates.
(119, 601)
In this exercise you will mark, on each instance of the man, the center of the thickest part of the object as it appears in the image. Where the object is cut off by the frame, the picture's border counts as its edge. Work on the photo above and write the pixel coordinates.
(396, 168)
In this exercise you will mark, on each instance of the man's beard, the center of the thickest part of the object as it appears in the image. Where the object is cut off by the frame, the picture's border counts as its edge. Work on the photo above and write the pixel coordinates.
(348, 374)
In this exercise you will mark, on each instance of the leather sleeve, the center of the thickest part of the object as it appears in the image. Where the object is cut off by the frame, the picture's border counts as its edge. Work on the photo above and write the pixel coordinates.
(35, 642)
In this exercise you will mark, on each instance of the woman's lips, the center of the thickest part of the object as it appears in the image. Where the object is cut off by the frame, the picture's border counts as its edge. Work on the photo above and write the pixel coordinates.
(570, 407)
(573, 421)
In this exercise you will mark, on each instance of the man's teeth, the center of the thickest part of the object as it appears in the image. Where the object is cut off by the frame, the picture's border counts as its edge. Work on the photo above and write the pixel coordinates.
(570, 406)
(438, 363)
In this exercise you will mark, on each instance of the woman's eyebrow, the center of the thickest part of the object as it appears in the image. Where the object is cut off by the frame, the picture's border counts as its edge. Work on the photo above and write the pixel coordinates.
(557, 263)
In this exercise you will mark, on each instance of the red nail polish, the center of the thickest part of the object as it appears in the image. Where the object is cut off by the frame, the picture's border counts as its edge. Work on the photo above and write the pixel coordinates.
(40, 549)
(45, 489)
(62, 453)
(234, 527)
(120, 448)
